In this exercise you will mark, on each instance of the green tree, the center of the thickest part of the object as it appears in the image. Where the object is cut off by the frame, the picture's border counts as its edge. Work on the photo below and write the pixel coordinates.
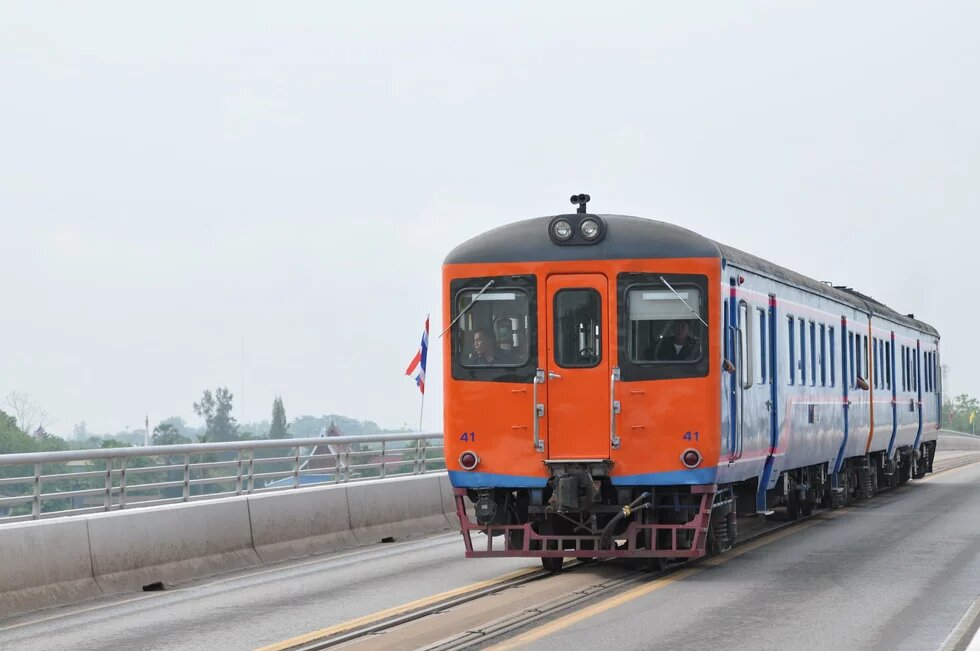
(958, 413)
(279, 428)
(167, 434)
(215, 409)
(12, 439)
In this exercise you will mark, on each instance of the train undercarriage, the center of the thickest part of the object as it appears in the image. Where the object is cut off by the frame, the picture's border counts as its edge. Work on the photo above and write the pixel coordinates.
(581, 514)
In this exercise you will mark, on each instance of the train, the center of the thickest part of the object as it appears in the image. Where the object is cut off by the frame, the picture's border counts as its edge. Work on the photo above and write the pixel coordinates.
(617, 386)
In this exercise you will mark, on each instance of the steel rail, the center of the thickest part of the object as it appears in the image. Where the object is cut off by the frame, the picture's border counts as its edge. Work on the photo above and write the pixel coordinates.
(476, 637)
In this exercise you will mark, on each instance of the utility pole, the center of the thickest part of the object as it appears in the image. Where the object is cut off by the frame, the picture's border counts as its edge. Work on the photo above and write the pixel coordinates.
(146, 432)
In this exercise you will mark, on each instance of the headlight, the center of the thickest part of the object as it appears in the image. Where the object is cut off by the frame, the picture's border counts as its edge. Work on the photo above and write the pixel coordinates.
(590, 229)
(562, 230)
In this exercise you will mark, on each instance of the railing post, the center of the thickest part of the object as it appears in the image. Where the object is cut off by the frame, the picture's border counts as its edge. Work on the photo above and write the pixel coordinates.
(238, 477)
(36, 504)
(383, 449)
(347, 467)
(122, 483)
(425, 457)
(187, 478)
(107, 498)
(251, 472)
(296, 469)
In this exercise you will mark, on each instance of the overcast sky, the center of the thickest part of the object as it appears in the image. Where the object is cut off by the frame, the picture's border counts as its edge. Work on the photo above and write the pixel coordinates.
(180, 178)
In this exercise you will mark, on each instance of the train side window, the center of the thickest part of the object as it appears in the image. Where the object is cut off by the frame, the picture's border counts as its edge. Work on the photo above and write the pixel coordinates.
(851, 380)
(881, 356)
(760, 342)
(888, 365)
(915, 370)
(578, 328)
(932, 372)
(791, 343)
(813, 354)
(745, 342)
(928, 381)
(823, 355)
(802, 375)
(877, 373)
(867, 359)
(833, 357)
(905, 369)
(857, 358)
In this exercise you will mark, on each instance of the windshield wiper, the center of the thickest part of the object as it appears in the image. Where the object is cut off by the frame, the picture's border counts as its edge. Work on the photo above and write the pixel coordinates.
(683, 301)
(466, 309)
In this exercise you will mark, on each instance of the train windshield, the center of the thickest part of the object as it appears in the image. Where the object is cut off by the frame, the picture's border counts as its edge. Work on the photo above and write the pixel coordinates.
(493, 330)
(662, 328)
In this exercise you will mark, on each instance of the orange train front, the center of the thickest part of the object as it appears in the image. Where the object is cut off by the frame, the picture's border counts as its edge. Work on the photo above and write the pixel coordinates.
(618, 386)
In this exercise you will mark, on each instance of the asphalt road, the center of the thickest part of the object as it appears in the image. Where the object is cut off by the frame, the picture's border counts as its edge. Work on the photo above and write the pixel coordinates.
(895, 573)
(898, 572)
(249, 609)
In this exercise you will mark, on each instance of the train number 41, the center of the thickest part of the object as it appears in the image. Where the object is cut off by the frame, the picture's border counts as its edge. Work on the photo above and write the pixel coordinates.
(690, 436)
(467, 436)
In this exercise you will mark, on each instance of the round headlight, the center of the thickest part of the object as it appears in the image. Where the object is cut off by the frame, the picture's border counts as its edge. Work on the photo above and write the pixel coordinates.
(562, 230)
(590, 229)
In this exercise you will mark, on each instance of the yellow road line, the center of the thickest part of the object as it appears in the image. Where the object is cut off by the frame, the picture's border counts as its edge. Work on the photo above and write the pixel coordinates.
(601, 607)
(653, 586)
(392, 612)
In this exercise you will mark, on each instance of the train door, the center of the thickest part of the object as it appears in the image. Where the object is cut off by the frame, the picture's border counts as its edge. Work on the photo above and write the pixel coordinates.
(577, 367)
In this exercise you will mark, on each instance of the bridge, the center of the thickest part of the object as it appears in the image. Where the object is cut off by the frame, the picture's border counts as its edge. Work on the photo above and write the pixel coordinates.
(229, 546)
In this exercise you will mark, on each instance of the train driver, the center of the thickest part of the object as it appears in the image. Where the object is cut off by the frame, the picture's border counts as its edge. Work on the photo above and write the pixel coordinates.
(486, 352)
(679, 347)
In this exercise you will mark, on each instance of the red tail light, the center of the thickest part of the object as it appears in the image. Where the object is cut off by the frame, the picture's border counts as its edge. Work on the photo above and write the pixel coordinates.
(468, 460)
(691, 458)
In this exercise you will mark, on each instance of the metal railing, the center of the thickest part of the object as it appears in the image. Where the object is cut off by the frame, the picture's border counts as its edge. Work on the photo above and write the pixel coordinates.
(52, 484)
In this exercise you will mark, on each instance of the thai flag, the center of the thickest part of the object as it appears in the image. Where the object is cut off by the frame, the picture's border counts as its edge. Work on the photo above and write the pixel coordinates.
(418, 362)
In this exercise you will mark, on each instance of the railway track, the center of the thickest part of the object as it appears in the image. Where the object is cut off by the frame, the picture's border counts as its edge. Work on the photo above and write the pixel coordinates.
(406, 629)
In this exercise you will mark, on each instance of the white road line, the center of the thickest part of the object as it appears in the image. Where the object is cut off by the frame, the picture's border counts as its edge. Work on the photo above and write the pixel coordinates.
(958, 634)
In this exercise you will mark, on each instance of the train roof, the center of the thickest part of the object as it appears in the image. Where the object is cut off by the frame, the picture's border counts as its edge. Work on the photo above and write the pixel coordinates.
(638, 238)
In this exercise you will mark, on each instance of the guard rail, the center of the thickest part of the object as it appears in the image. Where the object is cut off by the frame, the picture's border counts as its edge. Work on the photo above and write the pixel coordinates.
(52, 484)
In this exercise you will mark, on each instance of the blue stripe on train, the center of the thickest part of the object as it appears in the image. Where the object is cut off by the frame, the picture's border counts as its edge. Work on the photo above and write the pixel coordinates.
(669, 478)
(463, 479)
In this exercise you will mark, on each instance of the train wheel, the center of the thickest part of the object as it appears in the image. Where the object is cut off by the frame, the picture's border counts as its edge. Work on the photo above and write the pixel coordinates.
(552, 563)
(732, 521)
(793, 505)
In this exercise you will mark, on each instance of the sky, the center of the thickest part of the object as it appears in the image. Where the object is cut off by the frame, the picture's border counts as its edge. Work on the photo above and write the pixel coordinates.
(260, 195)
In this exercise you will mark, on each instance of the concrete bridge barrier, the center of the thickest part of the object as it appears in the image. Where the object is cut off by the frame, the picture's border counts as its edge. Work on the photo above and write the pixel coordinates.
(169, 544)
(383, 508)
(301, 522)
(44, 564)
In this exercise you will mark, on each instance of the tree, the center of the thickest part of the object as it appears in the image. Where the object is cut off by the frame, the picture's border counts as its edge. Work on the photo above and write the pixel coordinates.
(167, 434)
(12, 439)
(29, 414)
(215, 409)
(279, 428)
(958, 413)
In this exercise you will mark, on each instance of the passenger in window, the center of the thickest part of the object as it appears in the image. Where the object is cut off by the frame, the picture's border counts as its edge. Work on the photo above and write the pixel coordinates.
(486, 352)
(680, 346)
